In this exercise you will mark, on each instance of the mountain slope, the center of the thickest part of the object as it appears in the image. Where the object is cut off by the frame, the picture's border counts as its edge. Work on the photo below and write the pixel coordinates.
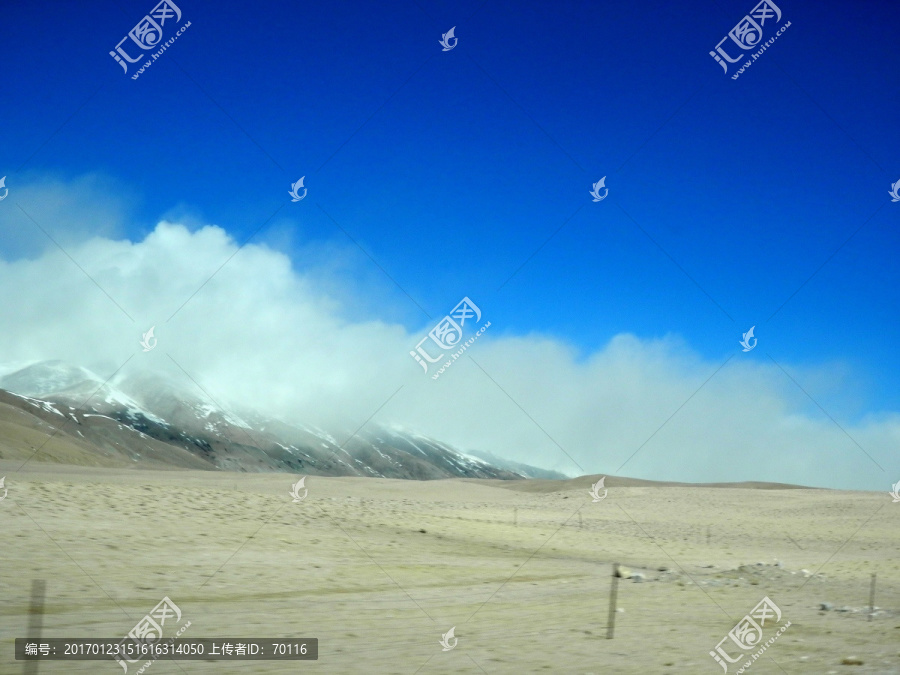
(146, 420)
(517, 467)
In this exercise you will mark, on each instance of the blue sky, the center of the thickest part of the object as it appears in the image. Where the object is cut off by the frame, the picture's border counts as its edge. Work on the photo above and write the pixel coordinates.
(758, 201)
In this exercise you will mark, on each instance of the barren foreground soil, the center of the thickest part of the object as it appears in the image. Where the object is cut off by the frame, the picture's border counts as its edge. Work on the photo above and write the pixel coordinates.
(378, 570)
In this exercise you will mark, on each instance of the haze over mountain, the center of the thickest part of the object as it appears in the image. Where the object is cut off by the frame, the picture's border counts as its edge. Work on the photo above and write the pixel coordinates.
(328, 348)
(146, 418)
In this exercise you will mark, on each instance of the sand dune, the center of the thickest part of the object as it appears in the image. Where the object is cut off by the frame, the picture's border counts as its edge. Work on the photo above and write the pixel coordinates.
(379, 569)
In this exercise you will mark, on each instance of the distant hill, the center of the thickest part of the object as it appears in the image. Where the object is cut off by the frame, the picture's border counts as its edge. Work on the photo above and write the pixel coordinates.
(146, 421)
(611, 482)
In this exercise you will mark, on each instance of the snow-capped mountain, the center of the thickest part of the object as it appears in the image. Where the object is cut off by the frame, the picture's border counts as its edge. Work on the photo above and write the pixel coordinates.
(147, 419)
(56, 380)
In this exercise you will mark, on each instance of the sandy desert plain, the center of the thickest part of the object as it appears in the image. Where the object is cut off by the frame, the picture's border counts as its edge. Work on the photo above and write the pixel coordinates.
(379, 569)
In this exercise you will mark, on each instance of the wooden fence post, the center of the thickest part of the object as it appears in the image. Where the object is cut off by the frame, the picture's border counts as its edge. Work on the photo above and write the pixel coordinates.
(35, 620)
(872, 598)
(614, 587)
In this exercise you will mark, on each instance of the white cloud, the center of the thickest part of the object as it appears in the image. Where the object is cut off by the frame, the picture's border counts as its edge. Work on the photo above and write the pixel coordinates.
(264, 333)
